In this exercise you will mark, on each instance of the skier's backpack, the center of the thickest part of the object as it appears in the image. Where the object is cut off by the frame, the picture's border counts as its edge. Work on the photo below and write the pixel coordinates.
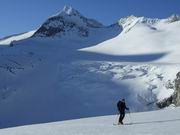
(119, 105)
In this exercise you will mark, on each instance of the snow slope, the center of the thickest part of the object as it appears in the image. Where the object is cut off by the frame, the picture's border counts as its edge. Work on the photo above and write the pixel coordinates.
(161, 122)
(140, 37)
(42, 74)
(8, 40)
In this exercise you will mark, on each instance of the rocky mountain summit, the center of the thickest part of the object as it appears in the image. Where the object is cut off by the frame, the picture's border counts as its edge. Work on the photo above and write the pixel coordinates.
(69, 22)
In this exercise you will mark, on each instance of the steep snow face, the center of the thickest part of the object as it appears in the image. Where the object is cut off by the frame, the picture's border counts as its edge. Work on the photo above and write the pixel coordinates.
(69, 23)
(8, 40)
(161, 122)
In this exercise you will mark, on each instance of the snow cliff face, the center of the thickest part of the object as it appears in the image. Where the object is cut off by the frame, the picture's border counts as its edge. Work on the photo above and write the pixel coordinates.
(69, 22)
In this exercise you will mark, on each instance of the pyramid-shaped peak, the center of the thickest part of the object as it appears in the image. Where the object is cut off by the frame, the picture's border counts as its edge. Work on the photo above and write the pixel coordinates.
(70, 10)
(69, 20)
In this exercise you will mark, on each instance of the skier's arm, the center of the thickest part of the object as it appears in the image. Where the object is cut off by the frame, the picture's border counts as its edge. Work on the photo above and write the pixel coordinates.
(126, 107)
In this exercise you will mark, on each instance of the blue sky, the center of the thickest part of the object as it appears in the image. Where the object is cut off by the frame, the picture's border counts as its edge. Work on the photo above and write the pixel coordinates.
(18, 16)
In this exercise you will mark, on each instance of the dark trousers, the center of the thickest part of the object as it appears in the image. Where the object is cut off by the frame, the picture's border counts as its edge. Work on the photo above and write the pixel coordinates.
(121, 117)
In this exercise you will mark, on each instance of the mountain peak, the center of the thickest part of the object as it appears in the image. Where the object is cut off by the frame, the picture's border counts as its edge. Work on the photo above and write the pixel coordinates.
(173, 18)
(69, 10)
(68, 22)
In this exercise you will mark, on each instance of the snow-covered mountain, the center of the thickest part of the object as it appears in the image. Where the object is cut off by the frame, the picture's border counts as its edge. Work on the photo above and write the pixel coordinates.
(161, 122)
(69, 22)
(152, 36)
(17, 37)
(73, 67)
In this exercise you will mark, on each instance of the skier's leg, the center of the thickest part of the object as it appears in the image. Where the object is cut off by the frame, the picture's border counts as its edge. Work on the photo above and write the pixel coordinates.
(119, 119)
(122, 117)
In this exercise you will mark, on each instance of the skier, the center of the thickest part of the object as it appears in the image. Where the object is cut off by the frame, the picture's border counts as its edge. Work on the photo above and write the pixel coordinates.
(121, 108)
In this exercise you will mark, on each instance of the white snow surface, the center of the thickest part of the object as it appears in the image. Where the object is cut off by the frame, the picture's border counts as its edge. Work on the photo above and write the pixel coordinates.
(139, 38)
(19, 37)
(161, 122)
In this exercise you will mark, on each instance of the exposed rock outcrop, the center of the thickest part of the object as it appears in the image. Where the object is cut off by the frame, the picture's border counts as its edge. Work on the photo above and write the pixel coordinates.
(175, 98)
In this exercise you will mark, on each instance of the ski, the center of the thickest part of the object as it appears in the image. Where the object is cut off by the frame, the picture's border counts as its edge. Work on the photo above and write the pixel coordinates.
(116, 124)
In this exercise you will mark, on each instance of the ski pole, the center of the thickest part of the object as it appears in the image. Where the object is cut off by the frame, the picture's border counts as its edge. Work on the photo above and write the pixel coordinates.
(117, 117)
(130, 117)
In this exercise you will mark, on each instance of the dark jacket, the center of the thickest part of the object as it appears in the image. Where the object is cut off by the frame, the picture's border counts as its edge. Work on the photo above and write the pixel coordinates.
(122, 106)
